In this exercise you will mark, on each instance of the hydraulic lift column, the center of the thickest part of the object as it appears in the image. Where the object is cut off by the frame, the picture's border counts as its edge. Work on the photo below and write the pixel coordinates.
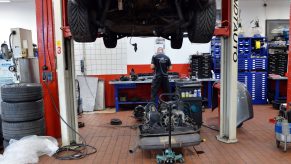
(289, 69)
(66, 77)
(229, 59)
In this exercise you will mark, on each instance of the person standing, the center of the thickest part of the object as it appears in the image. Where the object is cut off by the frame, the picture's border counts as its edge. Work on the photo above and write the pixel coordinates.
(161, 64)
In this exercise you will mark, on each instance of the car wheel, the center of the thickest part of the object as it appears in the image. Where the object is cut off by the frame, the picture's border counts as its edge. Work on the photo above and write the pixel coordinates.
(202, 24)
(176, 41)
(110, 39)
(80, 20)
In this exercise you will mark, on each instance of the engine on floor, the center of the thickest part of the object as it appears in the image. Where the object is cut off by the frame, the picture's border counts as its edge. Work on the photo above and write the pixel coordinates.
(171, 120)
(156, 120)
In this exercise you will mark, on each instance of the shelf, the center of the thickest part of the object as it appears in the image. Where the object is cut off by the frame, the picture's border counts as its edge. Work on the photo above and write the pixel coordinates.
(192, 99)
(283, 48)
(128, 102)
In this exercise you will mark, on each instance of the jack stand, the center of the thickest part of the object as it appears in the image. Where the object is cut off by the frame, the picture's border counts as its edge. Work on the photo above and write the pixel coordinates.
(169, 156)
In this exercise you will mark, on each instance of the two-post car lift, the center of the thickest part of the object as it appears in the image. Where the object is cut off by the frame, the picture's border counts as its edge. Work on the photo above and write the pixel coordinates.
(57, 55)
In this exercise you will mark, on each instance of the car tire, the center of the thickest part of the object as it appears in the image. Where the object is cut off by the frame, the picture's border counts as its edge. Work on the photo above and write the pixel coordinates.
(202, 24)
(22, 129)
(80, 21)
(176, 41)
(21, 92)
(110, 39)
(21, 112)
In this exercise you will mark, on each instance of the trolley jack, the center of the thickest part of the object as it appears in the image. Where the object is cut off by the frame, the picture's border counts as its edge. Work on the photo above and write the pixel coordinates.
(169, 155)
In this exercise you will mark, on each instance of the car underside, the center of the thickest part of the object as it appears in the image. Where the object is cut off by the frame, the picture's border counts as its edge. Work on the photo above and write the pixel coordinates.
(115, 19)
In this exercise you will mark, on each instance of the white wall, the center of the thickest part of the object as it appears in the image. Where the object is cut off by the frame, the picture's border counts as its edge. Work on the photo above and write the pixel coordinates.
(147, 48)
(17, 15)
(251, 9)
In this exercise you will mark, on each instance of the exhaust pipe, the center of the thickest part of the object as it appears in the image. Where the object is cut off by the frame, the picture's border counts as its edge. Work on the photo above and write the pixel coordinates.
(133, 149)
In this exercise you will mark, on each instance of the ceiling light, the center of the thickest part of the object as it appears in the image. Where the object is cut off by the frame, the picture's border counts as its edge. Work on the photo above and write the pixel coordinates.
(5, 1)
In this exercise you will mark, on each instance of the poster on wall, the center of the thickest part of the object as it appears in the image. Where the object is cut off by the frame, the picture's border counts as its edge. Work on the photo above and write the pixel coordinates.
(160, 42)
(276, 27)
(6, 76)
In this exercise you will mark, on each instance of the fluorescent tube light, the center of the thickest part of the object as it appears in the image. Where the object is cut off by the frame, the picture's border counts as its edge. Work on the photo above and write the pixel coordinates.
(5, 1)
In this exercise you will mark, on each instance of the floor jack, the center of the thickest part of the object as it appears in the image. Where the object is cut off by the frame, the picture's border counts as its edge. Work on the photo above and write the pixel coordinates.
(169, 155)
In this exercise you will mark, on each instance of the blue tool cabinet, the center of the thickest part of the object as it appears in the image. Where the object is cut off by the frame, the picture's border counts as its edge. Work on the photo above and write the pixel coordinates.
(252, 65)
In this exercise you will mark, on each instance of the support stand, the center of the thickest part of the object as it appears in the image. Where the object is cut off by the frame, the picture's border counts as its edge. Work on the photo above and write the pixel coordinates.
(169, 155)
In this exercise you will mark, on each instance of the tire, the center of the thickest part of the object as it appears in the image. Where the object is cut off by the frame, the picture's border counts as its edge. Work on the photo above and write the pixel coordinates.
(110, 39)
(202, 24)
(22, 129)
(21, 112)
(176, 41)
(21, 92)
(80, 20)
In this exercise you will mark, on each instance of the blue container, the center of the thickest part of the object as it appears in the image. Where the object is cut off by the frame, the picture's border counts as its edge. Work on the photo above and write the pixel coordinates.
(216, 63)
(278, 127)
(252, 64)
(258, 64)
(217, 75)
(244, 77)
(244, 47)
(243, 64)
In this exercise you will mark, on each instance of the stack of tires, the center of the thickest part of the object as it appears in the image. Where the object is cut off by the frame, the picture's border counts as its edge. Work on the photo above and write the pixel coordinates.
(21, 111)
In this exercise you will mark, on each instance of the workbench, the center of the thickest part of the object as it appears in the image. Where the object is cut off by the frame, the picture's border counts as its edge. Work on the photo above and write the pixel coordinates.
(278, 80)
(119, 85)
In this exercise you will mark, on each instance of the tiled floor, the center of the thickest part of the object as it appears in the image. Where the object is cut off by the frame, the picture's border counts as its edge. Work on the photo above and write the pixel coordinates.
(256, 142)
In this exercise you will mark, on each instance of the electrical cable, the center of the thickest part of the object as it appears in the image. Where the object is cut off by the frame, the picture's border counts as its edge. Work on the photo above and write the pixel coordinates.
(13, 58)
(79, 150)
(133, 44)
(78, 97)
(119, 126)
(211, 128)
(10, 42)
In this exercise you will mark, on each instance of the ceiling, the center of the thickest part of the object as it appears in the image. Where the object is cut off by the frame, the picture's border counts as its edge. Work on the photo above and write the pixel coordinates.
(19, 0)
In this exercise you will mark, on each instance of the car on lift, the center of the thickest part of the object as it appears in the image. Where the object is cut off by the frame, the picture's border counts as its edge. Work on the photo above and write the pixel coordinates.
(116, 19)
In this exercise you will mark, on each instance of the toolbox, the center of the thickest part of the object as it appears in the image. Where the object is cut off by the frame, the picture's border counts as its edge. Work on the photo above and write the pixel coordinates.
(190, 95)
